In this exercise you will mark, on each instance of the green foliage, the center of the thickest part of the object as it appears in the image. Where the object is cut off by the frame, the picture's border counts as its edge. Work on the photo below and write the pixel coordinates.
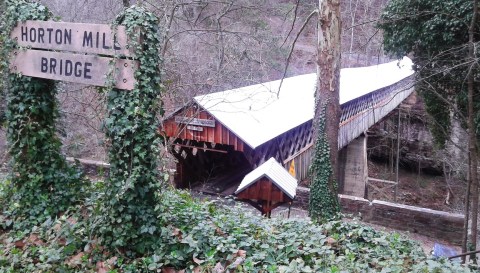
(42, 184)
(2, 74)
(425, 26)
(129, 220)
(200, 236)
(323, 202)
(436, 32)
(438, 111)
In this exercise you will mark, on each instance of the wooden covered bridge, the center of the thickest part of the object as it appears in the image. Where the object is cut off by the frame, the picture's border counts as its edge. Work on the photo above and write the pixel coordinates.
(218, 138)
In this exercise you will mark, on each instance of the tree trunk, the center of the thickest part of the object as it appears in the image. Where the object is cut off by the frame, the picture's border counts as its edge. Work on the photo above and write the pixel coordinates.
(323, 202)
(467, 214)
(328, 73)
(472, 139)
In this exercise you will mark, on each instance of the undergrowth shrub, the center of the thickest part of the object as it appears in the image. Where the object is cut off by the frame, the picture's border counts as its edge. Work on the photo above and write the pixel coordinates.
(207, 236)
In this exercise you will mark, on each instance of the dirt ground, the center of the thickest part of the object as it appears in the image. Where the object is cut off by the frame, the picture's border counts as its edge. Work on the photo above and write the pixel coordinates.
(421, 190)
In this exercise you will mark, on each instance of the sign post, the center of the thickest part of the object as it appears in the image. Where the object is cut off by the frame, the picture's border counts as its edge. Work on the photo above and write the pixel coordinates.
(81, 63)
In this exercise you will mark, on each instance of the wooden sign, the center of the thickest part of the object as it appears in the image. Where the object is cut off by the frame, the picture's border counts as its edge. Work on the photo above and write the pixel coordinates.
(195, 128)
(86, 69)
(291, 169)
(195, 121)
(75, 37)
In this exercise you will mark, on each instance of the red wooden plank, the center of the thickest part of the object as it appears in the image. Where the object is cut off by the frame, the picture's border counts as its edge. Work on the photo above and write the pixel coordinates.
(224, 136)
(240, 146)
(210, 134)
(218, 133)
(246, 194)
(168, 128)
(203, 136)
(183, 132)
(265, 190)
(231, 139)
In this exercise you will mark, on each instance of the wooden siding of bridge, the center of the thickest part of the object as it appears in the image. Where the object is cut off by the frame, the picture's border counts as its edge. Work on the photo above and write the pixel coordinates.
(264, 195)
(264, 189)
(283, 148)
(296, 144)
(218, 134)
(360, 114)
(302, 162)
(357, 116)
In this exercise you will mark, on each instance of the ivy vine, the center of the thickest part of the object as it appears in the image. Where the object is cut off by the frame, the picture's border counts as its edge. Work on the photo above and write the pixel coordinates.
(42, 183)
(323, 203)
(2, 74)
(128, 212)
(436, 32)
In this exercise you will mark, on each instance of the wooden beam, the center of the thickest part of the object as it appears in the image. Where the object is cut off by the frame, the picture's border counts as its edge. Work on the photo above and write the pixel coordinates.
(278, 204)
(381, 180)
(201, 148)
(464, 254)
(298, 153)
(252, 203)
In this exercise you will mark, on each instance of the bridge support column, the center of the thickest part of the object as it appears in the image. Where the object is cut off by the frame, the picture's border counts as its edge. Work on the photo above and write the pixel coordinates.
(353, 167)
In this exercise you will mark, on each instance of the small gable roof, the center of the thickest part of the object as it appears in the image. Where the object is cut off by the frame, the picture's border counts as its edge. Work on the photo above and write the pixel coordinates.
(276, 173)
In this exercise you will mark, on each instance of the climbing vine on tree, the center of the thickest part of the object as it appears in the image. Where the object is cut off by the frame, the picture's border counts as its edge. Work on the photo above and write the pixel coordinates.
(2, 74)
(128, 212)
(42, 183)
(323, 204)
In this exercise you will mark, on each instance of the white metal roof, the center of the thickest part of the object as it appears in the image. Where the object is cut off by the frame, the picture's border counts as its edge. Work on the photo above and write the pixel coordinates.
(276, 173)
(256, 114)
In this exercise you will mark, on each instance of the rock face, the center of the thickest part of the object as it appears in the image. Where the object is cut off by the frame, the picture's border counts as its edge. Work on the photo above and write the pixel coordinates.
(417, 149)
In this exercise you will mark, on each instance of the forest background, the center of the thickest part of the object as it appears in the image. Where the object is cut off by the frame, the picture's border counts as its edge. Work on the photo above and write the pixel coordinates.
(211, 46)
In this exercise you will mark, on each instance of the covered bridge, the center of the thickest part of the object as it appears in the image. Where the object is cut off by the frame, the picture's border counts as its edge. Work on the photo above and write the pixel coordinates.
(218, 138)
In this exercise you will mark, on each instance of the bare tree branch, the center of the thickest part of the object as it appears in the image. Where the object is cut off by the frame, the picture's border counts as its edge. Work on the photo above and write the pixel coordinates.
(292, 47)
(295, 11)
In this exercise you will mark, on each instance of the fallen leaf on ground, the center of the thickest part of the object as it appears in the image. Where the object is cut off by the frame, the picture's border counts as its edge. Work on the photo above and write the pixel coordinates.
(177, 233)
(218, 268)
(331, 241)
(197, 261)
(19, 244)
(75, 260)
(101, 268)
(34, 239)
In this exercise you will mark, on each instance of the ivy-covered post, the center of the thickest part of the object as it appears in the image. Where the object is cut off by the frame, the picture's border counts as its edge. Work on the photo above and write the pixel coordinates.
(323, 202)
(132, 130)
(42, 183)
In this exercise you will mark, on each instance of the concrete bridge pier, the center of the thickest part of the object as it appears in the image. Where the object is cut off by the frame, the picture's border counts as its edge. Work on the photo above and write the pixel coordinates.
(353, 167)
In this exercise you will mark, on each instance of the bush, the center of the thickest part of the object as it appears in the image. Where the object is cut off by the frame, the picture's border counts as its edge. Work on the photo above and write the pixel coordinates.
(203, 236)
